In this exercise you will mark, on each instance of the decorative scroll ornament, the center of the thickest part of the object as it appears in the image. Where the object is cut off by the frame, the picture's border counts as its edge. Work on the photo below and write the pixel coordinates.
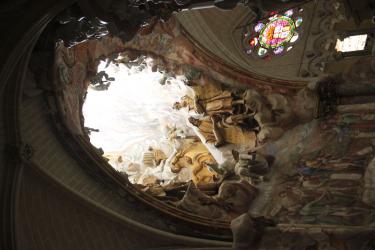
(19, 153)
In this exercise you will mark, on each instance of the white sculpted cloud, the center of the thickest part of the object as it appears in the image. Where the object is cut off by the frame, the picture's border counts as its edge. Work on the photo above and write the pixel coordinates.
(134, 112)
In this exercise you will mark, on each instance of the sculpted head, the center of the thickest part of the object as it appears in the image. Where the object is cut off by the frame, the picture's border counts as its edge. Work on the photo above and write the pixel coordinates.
(194, 121)
(177, 106)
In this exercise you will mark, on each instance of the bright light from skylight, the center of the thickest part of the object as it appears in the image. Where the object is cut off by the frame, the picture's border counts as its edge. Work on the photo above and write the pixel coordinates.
(352, 43)
(133, 113)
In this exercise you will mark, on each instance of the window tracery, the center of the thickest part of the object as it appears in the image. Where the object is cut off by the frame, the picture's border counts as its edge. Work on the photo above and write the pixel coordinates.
(274, 35)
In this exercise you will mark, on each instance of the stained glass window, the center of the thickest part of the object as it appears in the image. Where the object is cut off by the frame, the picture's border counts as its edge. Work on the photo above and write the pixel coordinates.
(274, 35)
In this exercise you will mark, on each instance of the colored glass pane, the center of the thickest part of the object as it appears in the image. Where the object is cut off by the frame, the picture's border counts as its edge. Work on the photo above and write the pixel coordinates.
(289, 12)
(276, 32)
(294, 38)
(272, 16)
(258, 27)
(262, 51)
(253, 42)
(278, 50)
(299, 21)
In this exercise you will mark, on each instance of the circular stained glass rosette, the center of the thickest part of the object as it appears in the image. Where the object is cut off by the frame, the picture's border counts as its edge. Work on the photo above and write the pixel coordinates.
(277, 32)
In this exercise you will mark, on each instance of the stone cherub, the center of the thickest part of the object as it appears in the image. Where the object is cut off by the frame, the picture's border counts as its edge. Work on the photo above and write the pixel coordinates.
(195, 156)
(253, 166)
(250, 167)
(234, 195)
(98, 83)
(208, 128)
(220, 132)
(271, 112)
(210, 98)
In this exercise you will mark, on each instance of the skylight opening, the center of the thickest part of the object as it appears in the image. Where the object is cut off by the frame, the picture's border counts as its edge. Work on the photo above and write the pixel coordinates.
(133, 114)
(352, 43)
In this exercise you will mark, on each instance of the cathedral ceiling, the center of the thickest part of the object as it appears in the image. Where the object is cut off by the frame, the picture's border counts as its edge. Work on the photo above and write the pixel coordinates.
(323, 169)
(221, 33)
